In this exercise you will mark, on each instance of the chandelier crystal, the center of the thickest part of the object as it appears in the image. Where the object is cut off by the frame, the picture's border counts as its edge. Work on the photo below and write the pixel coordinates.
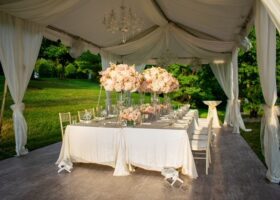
(125, 22)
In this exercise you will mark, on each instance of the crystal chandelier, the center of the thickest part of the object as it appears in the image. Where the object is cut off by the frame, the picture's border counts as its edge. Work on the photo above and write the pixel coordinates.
(125, 22)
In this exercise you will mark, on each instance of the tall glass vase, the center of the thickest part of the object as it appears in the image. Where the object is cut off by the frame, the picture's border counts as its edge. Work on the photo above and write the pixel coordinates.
(167, 104)
(142, 98)
(155, 104)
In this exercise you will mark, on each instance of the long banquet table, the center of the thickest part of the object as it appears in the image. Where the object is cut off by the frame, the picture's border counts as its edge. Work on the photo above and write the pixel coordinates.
(149, 146)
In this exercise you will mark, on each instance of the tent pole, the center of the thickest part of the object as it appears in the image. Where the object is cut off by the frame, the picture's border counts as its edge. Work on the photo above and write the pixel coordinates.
(3, 105)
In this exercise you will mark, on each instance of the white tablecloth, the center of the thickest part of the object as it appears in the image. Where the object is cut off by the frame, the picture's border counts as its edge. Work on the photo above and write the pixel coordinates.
(148, 148)
(154, 149)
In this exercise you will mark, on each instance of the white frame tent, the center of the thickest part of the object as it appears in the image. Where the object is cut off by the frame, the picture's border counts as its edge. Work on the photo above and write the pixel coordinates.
(208, 30)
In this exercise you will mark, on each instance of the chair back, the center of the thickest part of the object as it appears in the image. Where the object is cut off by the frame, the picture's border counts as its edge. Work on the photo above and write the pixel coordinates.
(81, 113)
(65, 119)
(209, 132)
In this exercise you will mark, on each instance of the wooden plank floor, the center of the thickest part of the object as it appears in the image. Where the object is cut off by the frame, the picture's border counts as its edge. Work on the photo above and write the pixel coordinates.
(236, 173)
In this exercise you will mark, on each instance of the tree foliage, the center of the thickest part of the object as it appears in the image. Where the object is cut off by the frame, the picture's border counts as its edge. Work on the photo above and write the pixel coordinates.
(56, 55)
(195, 86)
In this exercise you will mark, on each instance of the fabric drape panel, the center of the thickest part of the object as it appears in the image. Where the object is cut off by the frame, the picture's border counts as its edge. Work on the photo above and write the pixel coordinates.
(236, 118)
(152, 12)
(139, 51)
(40, 11)
(227, 76)
(273, 8)
(20, 43)
(266, 57)
(154, 43)
(210, 45)
(223, 74)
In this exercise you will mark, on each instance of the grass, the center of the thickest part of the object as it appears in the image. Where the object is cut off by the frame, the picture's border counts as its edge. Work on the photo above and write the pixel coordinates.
(45, 98)
(253, 138)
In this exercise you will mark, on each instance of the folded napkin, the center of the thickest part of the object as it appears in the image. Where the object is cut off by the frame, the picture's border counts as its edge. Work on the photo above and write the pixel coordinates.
(98, 118)
(182, 121)
(146, 123)
(179, 125)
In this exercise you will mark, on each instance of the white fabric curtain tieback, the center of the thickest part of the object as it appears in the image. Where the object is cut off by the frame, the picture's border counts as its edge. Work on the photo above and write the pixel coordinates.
(18, 107)
(270, 109)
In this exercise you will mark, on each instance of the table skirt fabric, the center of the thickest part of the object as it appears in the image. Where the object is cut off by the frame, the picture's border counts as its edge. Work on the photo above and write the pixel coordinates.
(148, 148)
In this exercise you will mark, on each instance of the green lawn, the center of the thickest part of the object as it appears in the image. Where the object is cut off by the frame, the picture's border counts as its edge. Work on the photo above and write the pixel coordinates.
(45, 98)
(253, 138)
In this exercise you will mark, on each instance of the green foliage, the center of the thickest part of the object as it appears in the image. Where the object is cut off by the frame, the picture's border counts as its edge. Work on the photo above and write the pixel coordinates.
(253, 138)
(250, 89)
(46, 68)
(195, 86)
(70, 71)
(89, 63)
(60, 71)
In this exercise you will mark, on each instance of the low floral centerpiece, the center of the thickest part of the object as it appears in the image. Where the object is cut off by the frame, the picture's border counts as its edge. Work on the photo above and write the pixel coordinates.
(130, 115)
(147, 109)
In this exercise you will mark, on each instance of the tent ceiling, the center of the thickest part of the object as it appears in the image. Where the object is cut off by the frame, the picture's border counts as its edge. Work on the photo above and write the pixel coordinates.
(219, 20)
(86, 21)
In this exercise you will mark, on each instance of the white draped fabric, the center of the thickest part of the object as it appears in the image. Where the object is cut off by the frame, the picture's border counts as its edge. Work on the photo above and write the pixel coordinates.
(20, 42)
(212, 112)
(236, 118)
(149, 148)
(40, 11)
(227, 76)
(266, 56)
(169, 37)
(273, 8)
(223, 74)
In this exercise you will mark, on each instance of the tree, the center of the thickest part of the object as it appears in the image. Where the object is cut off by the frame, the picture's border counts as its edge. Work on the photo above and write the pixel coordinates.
(70, 71)
(58, 53)
(45, 68)
(89, 63)
(196, 86)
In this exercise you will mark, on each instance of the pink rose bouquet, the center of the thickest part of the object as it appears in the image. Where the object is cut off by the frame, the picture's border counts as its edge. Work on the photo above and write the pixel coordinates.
(120, 77)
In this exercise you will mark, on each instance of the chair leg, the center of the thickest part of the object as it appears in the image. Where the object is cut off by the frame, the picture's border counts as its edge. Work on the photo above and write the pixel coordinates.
(207, 165)
(209, 155)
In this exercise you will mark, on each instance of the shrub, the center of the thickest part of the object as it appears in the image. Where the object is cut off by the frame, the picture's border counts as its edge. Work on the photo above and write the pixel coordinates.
(45, 68)
(70, 71)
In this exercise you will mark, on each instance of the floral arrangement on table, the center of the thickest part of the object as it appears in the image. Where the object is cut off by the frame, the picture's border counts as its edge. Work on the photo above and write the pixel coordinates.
(130, 114)
(158, 80)
(120, 77)
(147, 109)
